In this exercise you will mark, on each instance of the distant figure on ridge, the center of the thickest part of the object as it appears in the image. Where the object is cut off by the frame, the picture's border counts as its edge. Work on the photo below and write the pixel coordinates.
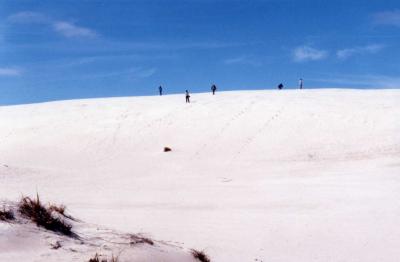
(280, 86)
(213, 89)
(187, 97)
(160, 90)
(301, 83)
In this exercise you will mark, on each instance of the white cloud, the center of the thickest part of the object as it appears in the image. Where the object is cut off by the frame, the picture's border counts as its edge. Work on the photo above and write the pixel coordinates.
(235, 60)
(144, 73)
(28, 17)
(70, 30)
(306, 53)
(369, 49)
(132, 73)
(63, 28)
(5, 71)
(246, 60)
(387, 18)
(371, 81)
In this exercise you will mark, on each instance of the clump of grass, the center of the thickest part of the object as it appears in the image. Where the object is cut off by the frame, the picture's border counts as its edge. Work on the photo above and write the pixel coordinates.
(56, 245)
(6, 215)
(61, 210)
(140, 240)
(42, 216)
(97, 258)
(200, 255)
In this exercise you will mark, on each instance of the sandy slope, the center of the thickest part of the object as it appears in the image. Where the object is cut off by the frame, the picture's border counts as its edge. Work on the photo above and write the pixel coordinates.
(301, 175)
(22, 240)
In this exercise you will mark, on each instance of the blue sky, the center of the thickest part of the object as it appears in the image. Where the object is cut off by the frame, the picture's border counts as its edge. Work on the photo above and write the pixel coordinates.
(51, 50)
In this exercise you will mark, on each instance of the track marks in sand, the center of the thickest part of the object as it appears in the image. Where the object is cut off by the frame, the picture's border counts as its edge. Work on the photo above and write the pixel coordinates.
(121, 120)
(223, 129)
(250, 139)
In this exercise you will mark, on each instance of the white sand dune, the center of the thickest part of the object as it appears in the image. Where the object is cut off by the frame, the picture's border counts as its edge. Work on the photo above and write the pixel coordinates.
(300, 175)
(22, 240)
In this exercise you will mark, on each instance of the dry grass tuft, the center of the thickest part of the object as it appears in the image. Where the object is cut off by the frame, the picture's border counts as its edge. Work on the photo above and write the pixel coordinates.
(56, 245)
(97, 258)
(200, 255)
(42, 216)
(135, 239)
(61, 210)
(6, 215)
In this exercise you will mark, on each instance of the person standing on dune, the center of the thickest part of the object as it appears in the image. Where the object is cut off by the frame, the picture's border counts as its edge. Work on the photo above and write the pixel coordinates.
(301, 83)
(213, 89)
(187, 96)
(160, 90)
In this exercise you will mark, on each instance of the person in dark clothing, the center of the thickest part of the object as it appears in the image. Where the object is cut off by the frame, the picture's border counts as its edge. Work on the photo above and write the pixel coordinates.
(213, 89)
(160, 90)
(187, 97)
(280, 86)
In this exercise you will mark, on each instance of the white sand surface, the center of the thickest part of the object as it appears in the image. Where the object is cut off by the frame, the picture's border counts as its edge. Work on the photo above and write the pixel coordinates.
(273, 176)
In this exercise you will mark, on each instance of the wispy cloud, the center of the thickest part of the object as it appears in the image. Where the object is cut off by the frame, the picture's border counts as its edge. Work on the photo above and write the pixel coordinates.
(28, 17)
(369, 49)
(63, 28)
(247, 60)
(307, 53)
(6, 71)
(84, 60)
(107, 47)
(371, 81)
(387, 18)
(235, 60)
(70, 30)
(132, 73)
(144, 73)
